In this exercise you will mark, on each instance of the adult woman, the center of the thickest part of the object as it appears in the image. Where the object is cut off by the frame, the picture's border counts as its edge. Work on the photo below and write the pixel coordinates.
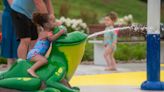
(9, 42)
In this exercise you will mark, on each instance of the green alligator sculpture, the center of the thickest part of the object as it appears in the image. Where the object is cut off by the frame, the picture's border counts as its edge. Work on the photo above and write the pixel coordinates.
(65, 56)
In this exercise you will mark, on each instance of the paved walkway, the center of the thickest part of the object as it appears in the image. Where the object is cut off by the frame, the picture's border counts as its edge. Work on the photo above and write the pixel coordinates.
(110, 88)
(92, 69)
(128, 78)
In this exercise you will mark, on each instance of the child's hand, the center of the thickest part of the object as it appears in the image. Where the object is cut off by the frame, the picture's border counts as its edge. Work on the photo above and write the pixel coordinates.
(59, 23)
(62, 31)
(57, 35)
(63, 28)
(50, 34)
(51, 38)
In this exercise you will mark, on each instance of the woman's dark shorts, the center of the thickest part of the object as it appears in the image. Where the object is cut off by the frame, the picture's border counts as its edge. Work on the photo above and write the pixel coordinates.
(24, 27)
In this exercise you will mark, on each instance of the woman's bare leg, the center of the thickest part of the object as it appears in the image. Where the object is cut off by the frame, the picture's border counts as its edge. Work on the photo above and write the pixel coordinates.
(10, 61)
(23, 48)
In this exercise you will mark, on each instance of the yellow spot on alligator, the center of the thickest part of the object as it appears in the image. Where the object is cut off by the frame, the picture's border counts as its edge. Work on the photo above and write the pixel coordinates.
(24, 79)
(60, 70)
(57, 73)
(19, 78)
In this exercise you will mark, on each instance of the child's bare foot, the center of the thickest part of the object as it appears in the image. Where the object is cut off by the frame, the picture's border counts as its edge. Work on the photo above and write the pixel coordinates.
(110, 69)
(32, 73)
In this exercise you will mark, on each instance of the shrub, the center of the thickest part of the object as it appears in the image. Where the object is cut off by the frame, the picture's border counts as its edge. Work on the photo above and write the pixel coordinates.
(131, 51)
(139, 52)
(125, 52)
(74, 24)
(88, 54)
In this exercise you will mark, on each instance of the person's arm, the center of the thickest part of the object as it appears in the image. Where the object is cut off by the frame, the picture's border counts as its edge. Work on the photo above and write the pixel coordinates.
(50, 9)
(10, 2)
(40, 6)
(55, 36)
(115, 35)
(49, 6)
(49, 51)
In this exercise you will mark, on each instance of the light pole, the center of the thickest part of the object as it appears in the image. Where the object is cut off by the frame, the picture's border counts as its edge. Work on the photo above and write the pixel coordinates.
(153, 48)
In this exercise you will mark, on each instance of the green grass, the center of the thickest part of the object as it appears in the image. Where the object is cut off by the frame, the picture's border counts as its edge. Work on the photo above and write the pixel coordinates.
(100, 8)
